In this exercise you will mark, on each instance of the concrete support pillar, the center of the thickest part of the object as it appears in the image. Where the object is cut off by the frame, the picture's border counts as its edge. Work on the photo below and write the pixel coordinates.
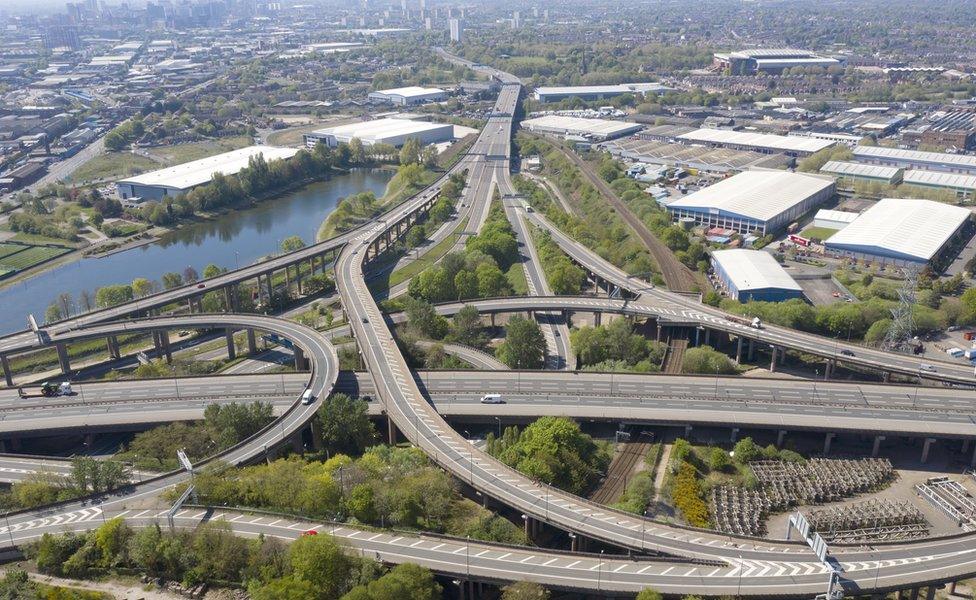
(157, 345)
(688, 429)
(164, 342)
(828, 438)
(752, 349)
(63, 359)
(738, 351)
(287, 281)
(8, 377)
(952, 588)
(779, 438)
(527, 527)
(965, 445)
(113, 347)
(574, 543)
(772, 361)
(230, 299)
(268, 286)
(89, 439)
(886, 376)
(829, 369)
(252, 342)
(492, 317)
(316, 435)
(735, 434)
(930, 595)
(391, 433)
(231, 350)
(926, 447)
(597, 319)
(657, 330)
(877, 445)
(301, 363)
(708, 336)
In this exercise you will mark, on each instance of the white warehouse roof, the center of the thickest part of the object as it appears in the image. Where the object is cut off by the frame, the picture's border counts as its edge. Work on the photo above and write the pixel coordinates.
(620, 88)
(598, 128)
(759, 195)
(897, 154)
(411, 91)
(381, 130)
(836, 167)
(937, 179)
(198, 172)
(783, 143)
(904, 228)
(836, 216)
(754, 270)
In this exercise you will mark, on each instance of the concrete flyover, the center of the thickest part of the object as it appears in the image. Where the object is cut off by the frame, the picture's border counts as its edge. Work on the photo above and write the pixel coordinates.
(309, 345)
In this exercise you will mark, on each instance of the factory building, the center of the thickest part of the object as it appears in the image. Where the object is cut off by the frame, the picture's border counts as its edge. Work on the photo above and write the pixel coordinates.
(770, 60)
(901, 232)
(394, 132)
(754, 201)
(946, 128)
(915, 159)
(708, 160)
(596, 92)
(753, 275)
(849, 173)
(176, 180)
(765, 143)
(408, 96)
(833, 219)
(590, 129)
(964, 186)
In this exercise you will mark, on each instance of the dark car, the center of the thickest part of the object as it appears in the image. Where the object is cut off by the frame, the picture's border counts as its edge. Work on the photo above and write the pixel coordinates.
(847, 353)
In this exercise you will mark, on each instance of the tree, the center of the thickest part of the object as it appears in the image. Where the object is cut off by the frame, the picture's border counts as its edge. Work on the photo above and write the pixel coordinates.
(524, 346)
(345, 425)
(292, 244)
(190, 275)
(284, 587)
(525, 590)
(491, 281)
(746, 451)
(410, 152)
(53, 313)
(211, 270)
(649, 594)
(466, 328)
(405, 582)
(357, 153)
(706, 360)
(112, 295)
(423, 319)
(114, 141)
(172, 280)
(465, 285)
(432, 285)
(142, 287)
(231, 423)
(318, 560)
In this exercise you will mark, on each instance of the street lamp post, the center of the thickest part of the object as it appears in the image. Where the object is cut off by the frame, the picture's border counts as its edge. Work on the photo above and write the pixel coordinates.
(599, 572)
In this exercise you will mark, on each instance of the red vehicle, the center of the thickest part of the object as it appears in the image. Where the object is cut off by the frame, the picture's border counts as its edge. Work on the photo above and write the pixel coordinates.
(799, 241)
(310, 532)
(201, 285)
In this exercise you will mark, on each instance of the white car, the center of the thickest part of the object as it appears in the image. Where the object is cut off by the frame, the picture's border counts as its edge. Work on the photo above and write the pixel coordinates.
(492, 399)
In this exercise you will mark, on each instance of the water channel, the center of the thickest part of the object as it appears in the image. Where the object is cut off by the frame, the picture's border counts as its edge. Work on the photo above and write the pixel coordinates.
(231, 240)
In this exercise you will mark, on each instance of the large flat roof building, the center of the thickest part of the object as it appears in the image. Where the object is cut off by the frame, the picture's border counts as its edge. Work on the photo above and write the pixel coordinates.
(901, 231)
(770, 60)
(408, 96)
(593, 129)
(175, 180)
(964, 186)
(916, 159)
(851, 172)
(766, 143)
(763, 201)
(595, 92)
(394, 132)
(753, 275)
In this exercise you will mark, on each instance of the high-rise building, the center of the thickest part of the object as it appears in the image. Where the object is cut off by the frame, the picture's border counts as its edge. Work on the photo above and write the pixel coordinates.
(428, 23)
(403, 6)
(62, 36)
(456, 30)
(516, 20)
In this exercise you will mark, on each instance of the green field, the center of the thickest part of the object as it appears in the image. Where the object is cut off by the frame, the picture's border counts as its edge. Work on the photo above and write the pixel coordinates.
(819, 233)
(181, 153)
(8, 249)
(31, 256)
(113, 165)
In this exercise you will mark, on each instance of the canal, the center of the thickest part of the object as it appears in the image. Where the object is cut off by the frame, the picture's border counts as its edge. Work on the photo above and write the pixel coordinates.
(231, 240)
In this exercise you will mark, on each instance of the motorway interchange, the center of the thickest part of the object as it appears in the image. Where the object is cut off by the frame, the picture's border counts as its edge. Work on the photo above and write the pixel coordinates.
(670, 558)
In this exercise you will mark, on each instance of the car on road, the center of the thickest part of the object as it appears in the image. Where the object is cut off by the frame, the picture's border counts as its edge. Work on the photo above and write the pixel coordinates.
(308, 397)
(847, 353)
(365, 320)
(310, 532)
(492, 399)
(925, 367)
(201, 285)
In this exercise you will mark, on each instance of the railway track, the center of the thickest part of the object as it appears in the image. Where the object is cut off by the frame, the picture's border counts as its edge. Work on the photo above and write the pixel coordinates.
(676, 353)
(677, 276)
(621, 468)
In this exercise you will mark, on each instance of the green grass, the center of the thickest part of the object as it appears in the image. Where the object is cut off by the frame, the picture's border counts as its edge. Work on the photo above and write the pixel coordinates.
(516, 279)
(33, 240)
(113, 165)
(429, 258)
(8, 249)
(30, 257)
(820, 233)
(181, 153)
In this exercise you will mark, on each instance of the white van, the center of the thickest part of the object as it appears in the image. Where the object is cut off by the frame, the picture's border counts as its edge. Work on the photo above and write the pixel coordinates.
(492, 399)
(307, 397)
(926, 367)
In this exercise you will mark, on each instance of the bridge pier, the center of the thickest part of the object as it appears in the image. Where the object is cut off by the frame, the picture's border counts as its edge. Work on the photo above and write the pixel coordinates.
(886, 376)
(597, 319)
(315, 429)
(828, 369)
(738, 351)
(779, 438)
(7, 375)
(752, 348)
(252, 343)
(828, 438)
(877, 445)
(772, 360)
(926, 447)
(231, 350)
(708, 336)
(287, 281)
(688, 429)
(391, 432)
(268, 286)
(229, 303)
(301, 363)
(63, 358)
(930, 594)
(113, 347)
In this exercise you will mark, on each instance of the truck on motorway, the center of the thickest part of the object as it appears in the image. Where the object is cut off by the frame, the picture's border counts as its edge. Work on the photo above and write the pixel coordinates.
(47, 389)
(756, 322)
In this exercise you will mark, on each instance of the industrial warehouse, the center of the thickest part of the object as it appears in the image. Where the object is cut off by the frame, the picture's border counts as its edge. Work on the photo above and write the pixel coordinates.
(964, 186)
(596, 92)
(902, 232)
(770, 60)
(850, 173)
(173, 181)
(765, 143)
(709, 160)
(753, 275)
(754, 201)
(394, 132)
(408, 96)
(915, 159)
(589, 129)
